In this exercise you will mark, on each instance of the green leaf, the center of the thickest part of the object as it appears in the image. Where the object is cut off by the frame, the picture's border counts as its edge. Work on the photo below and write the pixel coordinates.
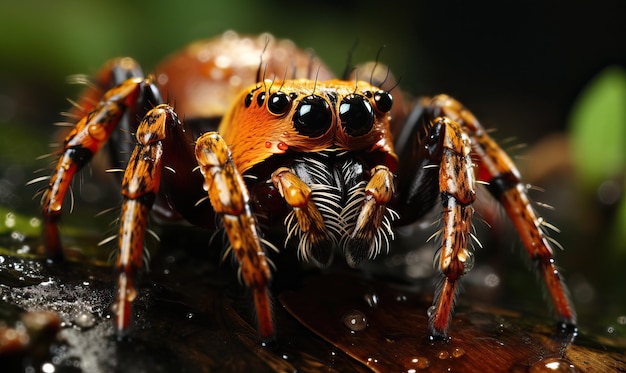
(598, 128)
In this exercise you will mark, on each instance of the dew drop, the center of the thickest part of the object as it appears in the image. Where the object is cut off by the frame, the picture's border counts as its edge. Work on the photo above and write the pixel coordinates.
(9, 220)
(458, 352)
(371, 299)
(189, 315)
(417, 363)
(282, 146)
(431, 311)
(443, 355)
(34, 222)
(401, 298)
(354, 320)
(469, 261)
(96, 131)
(84, 320)
(551, 365)
(131, 294)
(268, 144)
(48, 368)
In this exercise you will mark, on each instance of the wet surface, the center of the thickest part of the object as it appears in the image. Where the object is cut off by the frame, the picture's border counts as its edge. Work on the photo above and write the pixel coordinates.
(193, 316)
(395, 337)
(185, 321)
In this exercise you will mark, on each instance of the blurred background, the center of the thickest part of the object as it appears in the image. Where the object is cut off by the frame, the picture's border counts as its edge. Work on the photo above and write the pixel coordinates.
(523, 69)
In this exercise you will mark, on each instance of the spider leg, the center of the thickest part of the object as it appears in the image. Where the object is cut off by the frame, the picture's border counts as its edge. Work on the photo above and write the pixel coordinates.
(140, 186)
(230, 199)
(504, 180)
(456, 188)
(80, 145)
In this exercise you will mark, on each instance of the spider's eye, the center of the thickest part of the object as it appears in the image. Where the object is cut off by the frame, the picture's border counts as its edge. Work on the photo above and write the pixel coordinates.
(384, 101)
(260, 99)
(279, 103)
(248, 100)
(356, 114)
(312, 117)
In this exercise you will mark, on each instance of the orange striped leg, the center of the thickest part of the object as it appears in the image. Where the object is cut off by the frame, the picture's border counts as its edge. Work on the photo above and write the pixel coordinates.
(456, 186)
(89, 135)
(498, 170)
(140, 186)
(230, 198)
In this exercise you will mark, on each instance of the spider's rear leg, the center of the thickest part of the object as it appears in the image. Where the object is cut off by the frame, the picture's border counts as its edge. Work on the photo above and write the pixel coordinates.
(504, 180)
(230, 199)
(79, 147)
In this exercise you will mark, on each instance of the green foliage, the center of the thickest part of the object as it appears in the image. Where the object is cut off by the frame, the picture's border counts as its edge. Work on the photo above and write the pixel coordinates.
(598, 133)
(598, 128)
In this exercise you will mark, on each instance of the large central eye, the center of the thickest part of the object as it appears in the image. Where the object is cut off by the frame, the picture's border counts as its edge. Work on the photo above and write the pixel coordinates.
(356, 114)
(312, 117)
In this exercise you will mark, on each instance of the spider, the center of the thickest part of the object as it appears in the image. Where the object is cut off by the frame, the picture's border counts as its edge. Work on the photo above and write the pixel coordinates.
(324, 165)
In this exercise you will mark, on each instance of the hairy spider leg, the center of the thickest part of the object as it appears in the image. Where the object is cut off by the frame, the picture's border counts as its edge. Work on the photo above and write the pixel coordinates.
(140, 186)
(80, 145)
(456, 188)
(230, 199)
(497, 169)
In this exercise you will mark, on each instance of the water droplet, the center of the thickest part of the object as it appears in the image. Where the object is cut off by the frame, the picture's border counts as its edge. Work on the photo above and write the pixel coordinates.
(371, 299)
(9, 220)
(189, 315)
(354, 320)
(84, 320)
(35, 222)
(552, 364)
(25, 249)
(458, 352)
(417, 363)
(443, 355)
(469, 261)
(282, 146)
(96, 131)
(492, 280)
(431, 311)
(372, 360)
(17, 236)
(131, 294)
(48, 368)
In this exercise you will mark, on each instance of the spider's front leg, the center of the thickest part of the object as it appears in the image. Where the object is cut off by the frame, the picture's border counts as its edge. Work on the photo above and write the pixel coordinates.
(447, 149)
(230, 199)
(140, 187)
